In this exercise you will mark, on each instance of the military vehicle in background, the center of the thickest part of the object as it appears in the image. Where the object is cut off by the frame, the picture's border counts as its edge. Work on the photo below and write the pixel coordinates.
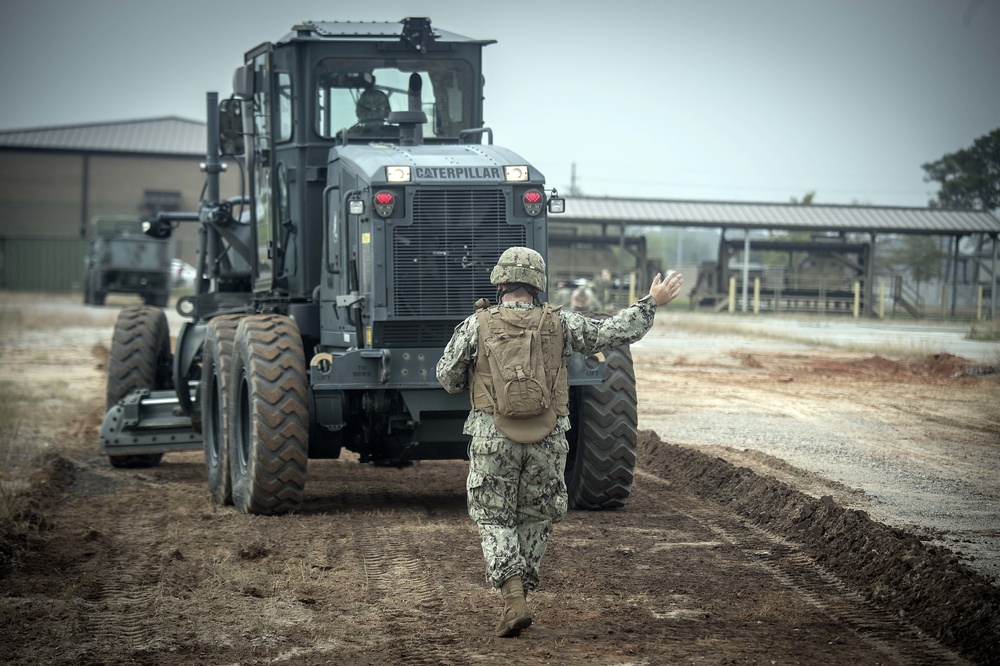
(122, 259)
(375, 205)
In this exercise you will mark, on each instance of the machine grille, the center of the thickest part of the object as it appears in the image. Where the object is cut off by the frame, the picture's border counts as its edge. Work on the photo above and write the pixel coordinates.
(442, 262)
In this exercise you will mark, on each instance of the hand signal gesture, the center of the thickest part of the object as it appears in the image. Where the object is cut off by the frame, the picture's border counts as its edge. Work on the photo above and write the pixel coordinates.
(666, 290)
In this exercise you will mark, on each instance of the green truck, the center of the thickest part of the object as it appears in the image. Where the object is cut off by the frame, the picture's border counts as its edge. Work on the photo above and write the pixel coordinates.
(122, 259)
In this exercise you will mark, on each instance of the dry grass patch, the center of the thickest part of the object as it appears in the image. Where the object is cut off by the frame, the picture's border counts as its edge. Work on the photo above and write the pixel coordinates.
(21, 312)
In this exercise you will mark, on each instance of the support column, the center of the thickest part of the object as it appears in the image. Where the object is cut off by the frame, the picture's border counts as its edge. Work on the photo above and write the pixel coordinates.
(994, 282)
(954, 277)
(746, 267)
(869, 309)
(85, 198)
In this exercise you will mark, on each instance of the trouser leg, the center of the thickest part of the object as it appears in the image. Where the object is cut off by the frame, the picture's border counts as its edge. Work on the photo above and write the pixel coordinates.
(541, 502)
(515, 493)
(492, 487)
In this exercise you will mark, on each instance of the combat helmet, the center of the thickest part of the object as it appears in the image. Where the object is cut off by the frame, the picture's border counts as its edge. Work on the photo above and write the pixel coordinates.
(373, 106)
(522, 265)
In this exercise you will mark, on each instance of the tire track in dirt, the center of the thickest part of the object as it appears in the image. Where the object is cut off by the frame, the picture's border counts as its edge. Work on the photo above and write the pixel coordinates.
(387, 562)
(119, 611)
(400, 582)
(797, 572)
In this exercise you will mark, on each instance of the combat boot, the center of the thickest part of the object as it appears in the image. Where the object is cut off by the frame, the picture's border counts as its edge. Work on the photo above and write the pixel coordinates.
(516, 616)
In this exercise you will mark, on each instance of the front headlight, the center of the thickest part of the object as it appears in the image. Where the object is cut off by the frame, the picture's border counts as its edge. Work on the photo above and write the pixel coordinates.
(515, 174)
(397, 174)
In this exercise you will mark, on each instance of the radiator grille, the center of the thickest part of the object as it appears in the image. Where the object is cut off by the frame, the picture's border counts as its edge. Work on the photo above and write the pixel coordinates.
(407, 333)
(442, 262)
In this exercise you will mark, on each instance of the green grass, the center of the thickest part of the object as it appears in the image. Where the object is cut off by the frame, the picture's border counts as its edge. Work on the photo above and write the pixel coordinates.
(18, 518)
(13, 398)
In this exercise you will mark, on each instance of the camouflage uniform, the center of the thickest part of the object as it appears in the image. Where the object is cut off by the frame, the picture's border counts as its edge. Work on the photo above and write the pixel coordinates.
(517, 491)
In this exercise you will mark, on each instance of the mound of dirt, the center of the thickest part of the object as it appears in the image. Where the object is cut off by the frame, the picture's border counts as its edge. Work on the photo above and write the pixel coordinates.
(928, 369)
(891, 568)
(26, 514)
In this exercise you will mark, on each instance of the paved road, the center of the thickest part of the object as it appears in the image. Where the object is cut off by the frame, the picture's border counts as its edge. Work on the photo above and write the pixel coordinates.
(879, 336)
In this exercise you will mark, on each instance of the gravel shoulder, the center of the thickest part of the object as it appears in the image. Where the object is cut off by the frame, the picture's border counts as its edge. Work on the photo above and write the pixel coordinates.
(912, 440)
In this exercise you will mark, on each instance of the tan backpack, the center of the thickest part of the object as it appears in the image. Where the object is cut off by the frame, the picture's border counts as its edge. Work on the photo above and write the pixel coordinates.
(522, 392)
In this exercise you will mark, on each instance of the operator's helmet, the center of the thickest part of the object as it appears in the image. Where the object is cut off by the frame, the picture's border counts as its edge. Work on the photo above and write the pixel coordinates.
(520, 264)
(373, 105)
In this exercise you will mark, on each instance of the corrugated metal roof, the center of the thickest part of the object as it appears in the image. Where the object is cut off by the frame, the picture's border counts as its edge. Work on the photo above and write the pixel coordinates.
(163, 136)
(880, 219)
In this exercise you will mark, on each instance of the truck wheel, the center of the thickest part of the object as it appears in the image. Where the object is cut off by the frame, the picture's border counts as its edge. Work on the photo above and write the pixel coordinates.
(268, 416)
(99, 297)
(600, 465)
(214, 393)
(139, 358)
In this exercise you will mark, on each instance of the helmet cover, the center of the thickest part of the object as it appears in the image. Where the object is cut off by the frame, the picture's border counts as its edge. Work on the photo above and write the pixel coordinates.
(520, 264)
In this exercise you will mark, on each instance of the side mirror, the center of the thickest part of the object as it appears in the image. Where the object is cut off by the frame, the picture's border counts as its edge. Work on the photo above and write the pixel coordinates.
(231, 127)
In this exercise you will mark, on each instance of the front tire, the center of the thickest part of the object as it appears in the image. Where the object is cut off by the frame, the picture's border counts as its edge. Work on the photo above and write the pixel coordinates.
(139, 358)
(215, 394)
(600, 465)
(268, 416)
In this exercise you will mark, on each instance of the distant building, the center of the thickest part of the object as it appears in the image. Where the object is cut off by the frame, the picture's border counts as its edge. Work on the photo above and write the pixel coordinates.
(55, 180)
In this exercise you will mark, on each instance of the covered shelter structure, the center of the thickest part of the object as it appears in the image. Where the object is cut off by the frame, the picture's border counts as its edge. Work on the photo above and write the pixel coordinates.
(845, 235)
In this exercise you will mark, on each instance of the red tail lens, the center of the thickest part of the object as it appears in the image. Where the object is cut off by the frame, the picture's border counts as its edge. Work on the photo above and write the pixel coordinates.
(385, 202)
(533, 201)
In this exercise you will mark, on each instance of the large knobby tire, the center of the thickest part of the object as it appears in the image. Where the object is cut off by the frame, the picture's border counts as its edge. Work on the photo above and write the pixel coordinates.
(602, 441)
(268, 416)
(214, 393)
(139, 358)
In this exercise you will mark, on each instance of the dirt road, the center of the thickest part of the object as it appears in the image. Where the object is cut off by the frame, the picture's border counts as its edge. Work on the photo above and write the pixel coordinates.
(710, 561)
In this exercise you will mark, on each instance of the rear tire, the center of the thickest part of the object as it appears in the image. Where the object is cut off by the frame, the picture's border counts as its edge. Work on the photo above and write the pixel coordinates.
(139, 358)
(600, 465)
(215, 393)
(268, 416)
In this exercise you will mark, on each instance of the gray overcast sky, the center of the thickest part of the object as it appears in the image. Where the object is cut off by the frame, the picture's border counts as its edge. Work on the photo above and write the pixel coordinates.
(741, 100)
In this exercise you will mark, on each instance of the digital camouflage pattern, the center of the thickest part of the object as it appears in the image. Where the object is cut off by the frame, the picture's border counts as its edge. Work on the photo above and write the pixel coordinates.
(520, 264)
(517, 491)
(515, 498)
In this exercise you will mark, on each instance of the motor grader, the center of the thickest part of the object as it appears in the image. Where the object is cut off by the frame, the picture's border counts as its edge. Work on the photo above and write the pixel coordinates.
(374, 204)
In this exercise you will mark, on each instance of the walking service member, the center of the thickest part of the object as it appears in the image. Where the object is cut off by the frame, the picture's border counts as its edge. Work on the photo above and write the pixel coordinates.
(511, 357)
